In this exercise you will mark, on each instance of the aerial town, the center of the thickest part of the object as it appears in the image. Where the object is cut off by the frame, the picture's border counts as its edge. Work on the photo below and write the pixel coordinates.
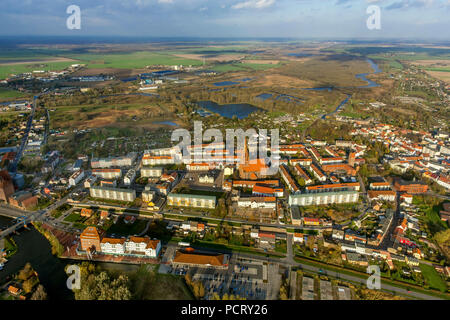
(336, 163)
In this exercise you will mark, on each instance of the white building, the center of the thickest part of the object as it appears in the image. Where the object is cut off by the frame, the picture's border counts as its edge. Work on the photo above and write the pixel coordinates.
(76, 178)
(113, 193)
(143, 245)
(258, 202)
(112, 246)
(151, 172)
(308, 199)
(108, 173)
(190, 200)
(129, 177)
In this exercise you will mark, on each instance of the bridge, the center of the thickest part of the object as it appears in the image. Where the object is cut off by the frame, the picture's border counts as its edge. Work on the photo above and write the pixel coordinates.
(21, 218)
(18, 223)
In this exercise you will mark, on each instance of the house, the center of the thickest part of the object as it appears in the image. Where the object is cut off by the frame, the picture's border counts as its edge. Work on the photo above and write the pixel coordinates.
(298, 237)
(337, 234)
(14, 290)
(266, 240)
(357, 258)
(86, 212)
(311, 221)
(104, 214)
(129, 219)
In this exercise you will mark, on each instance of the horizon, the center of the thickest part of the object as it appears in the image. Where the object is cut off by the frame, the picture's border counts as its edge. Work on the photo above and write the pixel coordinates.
(291, 19)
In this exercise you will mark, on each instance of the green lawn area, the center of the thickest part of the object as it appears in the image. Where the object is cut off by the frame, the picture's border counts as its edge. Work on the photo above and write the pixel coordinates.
(260, 66)
(74, 217)
(7, 93)
(432, 277)
(438, 69)
(7, 70)
(60, 210)
(10, 247)
(148, 284)
(135, 60)
(430, 214)
(123, 229)
(227, 67)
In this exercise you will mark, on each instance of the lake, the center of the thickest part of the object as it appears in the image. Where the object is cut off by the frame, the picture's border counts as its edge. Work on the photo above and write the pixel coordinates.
(169, 123)
(225, 83)
(240, 110)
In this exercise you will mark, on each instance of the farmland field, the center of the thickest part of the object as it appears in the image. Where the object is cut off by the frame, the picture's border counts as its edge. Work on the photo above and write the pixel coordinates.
(135, 60)
(6, 93)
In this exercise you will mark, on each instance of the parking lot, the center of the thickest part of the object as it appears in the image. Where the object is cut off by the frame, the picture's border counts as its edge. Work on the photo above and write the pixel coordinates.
(243, 278)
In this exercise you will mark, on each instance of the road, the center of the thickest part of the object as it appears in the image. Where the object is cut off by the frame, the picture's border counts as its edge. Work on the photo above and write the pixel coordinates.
(13, 166)
(337, 275)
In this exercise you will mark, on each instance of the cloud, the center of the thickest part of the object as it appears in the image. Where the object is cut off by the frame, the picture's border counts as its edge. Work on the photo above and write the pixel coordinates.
(405, 4)
(255, 4)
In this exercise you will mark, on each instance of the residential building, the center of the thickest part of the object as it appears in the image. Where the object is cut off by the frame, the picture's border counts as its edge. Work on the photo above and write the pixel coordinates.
(113, 193)
(112, 245)
(129, 177)
(191, 200)
(258, 202)
(107, 173)
(76, 177)
(143, 246)
(151, 172)
(307, 199)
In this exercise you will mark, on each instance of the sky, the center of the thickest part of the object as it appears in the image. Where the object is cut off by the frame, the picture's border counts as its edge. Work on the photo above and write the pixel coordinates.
(303, 19)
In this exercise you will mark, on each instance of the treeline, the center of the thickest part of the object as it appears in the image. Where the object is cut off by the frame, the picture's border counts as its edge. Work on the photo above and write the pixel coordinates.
(57, 247)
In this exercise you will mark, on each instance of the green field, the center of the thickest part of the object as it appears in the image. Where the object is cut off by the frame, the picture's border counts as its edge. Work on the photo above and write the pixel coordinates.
(6, 93)
(7, 70)
(74, 217)
(432, 278)
(135, 60)
(438, 69)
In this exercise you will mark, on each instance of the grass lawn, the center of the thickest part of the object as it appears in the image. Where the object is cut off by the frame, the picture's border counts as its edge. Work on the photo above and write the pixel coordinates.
(135, 60)
(60, 210)
(123, 229)
(10, 247)
(74, 217)
(432, 277)
(7, 70)
(7, 93)
(148, 284)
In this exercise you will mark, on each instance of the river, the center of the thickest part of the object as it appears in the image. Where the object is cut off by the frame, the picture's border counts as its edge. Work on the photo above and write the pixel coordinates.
(34, 248)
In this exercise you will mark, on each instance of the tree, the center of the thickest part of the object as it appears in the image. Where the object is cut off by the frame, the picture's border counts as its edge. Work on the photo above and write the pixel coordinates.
(29, 284)
(39, 294)
(26, 272)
